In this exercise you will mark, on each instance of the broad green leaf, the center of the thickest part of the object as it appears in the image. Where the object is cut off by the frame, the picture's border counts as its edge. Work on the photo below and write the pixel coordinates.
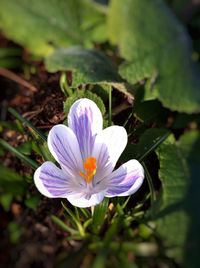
(157, 48)
(78, 94)
(150, 112)
(87, 66)
(149, 141)
(43, 25)
(178, 213)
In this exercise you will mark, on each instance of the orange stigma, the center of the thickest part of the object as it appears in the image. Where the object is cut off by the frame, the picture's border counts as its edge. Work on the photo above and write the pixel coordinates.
(90, 169)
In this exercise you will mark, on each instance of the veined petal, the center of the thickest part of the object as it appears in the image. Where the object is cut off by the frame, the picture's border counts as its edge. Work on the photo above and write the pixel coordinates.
(86, 121)
(64, 147)
(83, 202)
(51, 181)
(126, 180)
(108, 146)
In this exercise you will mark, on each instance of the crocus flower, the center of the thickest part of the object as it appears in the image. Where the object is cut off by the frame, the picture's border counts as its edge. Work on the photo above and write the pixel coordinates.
(87, 155)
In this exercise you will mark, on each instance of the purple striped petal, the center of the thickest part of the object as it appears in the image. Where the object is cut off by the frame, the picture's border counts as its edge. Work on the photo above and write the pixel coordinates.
(86, 121)
(52, 181)
(64, 147)
(126, 180)
(109, 144)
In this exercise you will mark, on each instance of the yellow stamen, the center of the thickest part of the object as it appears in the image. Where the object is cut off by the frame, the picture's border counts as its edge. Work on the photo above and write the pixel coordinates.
(90, 169)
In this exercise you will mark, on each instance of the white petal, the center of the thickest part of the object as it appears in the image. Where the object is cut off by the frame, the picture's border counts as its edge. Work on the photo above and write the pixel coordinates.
(49, 175)
(126, 180)
(85, 119)
(64, 147)
(109, 145)
(82, 202)
(54, 182)
(39, 184)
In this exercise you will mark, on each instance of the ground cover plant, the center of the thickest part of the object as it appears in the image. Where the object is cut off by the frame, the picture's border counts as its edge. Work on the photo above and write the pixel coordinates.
(138, 61)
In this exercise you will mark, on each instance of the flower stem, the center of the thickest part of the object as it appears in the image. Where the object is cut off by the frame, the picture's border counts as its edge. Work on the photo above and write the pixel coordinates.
(92, 210)
(110, 107)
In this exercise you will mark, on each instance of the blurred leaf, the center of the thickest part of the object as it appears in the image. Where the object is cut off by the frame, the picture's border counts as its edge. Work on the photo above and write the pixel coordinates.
(73, 258)
(178, 213)
(5, 200)
(63, 225)
(148, 142)
(25, 148)
(32, 202)
(43, 25)
(18, 154)
(14, 232)
(64, 85)
(150, 111)
(164, 59)
(182, 120)
(145, 231)
(75, 220)
(11, 125)
(10, 57)
(11, 182)
(99, 215)
(84, 94)
(87, 66)
(32, 128)
(7, 174)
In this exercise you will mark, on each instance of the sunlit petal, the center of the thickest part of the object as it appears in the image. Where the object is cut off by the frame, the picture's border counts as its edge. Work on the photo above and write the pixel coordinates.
(86, 121)
(64, 147)
(126, 180)
(109, 145)
(52, 181)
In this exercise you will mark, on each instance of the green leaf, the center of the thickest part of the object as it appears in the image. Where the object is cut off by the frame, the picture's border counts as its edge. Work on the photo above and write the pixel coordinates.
(32, 202)
(63, 225)
(10, 57)
(12, 185)
(84, 94)
(43, 25)
(15, 232)
(18, 154)
(88, 67)
(5, 200)
(36, 131)
(150, 112)
(148, 142)
(99, 215)
(157, 48)
(178, 213)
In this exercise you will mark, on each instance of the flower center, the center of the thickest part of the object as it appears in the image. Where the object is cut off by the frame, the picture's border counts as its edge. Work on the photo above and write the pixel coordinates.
(90, 169)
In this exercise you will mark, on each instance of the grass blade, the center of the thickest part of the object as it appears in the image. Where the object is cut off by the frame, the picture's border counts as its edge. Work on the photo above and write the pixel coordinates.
(22, 157)
(150, 183)
(153, 147)
(27, 123)
(63, 226)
